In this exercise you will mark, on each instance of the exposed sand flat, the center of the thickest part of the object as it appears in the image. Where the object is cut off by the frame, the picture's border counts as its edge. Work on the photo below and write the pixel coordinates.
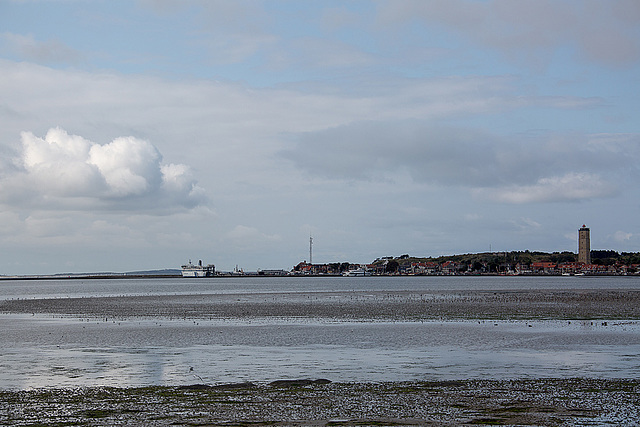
(355, 305)
(541, 402)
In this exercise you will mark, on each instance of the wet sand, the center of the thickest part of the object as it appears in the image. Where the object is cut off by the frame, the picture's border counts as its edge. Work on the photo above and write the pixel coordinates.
(351, 305)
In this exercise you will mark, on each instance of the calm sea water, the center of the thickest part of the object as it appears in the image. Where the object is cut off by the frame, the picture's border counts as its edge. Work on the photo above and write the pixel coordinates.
(61, 351)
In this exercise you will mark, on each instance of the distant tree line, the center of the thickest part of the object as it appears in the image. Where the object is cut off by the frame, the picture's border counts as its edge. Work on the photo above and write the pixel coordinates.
(501, 261)
(613, 257)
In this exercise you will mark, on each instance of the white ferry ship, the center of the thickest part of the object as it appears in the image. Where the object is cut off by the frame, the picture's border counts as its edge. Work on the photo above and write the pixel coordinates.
(199, 270)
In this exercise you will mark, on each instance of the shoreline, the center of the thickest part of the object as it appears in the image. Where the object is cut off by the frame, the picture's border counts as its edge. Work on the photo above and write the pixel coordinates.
(114, 276)
(92, 277)
(542, 401)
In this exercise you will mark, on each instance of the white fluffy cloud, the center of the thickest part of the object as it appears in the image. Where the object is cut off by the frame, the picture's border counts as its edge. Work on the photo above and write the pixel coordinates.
(61, 170)
(129, 166)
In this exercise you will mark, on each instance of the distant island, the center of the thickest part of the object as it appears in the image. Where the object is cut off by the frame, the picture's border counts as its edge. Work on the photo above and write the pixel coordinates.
(603, 262)
(149, 274)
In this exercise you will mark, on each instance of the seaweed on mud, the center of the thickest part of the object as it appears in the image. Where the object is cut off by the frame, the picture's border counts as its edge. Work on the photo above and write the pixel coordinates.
(488, 402)
(488, 421)
(59, 424)
(298, 383)
(97, 413)
(367, 422)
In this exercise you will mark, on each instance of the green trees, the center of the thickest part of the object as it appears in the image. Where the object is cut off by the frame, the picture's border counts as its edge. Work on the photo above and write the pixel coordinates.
(392, 266)
(503, 262)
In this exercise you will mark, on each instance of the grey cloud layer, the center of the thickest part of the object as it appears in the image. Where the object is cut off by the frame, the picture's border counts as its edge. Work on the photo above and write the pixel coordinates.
(601, 31)
(605, 32)
(48, 51)
(514, 170)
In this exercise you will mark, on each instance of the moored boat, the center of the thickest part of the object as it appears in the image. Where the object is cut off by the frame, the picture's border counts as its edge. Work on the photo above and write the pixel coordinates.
(198, 270)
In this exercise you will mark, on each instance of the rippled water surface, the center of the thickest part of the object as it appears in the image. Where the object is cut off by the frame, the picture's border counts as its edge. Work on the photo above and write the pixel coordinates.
(45, 350)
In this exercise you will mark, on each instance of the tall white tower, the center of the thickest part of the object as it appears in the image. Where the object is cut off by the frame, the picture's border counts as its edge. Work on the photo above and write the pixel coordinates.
(584, 245)
(310, 249)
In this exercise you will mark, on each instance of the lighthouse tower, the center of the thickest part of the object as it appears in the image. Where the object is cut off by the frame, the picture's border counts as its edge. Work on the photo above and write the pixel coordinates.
(584, 245)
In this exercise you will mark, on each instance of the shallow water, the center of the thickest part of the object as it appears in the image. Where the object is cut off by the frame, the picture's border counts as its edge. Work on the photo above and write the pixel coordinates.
(44, 350)
(64, 288)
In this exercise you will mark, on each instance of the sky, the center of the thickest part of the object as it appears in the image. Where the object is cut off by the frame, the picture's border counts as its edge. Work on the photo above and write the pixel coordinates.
(137, 135)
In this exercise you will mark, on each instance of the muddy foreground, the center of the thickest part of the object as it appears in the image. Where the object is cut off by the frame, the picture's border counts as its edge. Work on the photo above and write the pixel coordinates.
(542, 402)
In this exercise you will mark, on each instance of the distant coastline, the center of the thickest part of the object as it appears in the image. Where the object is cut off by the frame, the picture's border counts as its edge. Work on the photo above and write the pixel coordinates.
(160, 274)
(515, 263)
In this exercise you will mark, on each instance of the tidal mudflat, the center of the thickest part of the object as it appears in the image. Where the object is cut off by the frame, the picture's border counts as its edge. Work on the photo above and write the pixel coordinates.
(351, 305)
(399, 352)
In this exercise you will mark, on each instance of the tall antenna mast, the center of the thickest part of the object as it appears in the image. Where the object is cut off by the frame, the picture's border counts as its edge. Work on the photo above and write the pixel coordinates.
(310, 249)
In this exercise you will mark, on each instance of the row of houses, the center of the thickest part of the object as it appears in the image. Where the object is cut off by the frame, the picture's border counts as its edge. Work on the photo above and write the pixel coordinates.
(450, 268)
(332, 269)
(574, 268)
(545, 268)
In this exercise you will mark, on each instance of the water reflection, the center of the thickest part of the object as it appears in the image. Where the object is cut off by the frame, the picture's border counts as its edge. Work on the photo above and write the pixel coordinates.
(58, 351)
(11, 289)
(46, 352)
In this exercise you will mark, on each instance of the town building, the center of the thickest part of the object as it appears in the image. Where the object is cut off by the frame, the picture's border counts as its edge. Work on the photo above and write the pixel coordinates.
(544, 267)
(584, 245)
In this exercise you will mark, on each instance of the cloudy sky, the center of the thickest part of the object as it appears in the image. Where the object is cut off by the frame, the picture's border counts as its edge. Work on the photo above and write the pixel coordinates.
(140, 134)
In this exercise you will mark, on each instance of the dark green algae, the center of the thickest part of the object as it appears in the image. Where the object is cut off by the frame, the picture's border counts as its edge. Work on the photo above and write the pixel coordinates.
(305, 402)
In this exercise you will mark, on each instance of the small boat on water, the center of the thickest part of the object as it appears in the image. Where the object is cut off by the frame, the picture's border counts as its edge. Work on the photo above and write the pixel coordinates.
(361, 272)
(198, 270)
